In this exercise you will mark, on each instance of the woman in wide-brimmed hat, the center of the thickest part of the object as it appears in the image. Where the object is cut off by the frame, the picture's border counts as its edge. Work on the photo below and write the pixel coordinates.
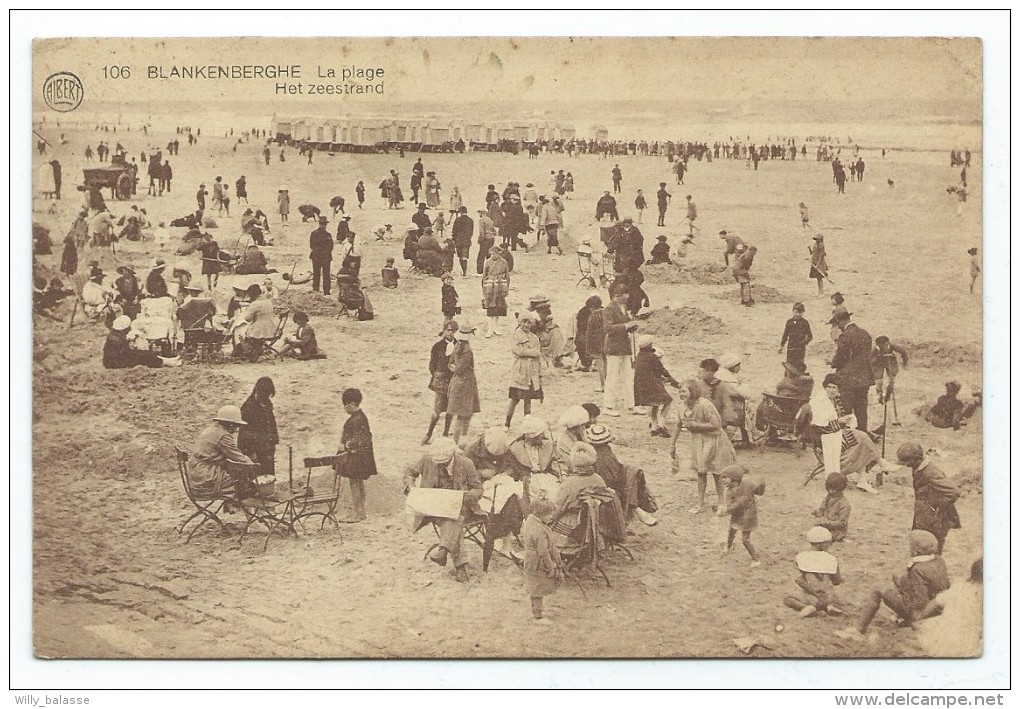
(218, 465)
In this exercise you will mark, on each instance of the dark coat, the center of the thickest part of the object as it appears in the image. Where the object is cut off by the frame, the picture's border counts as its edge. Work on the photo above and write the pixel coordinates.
(439, 367)
(595, 335)
(155, 285)
(649, 374)
(449, 305)
(615, 322)
(69, 259)
(321, 244)
(853, 358)
(356, 438)
(934, 501)
(261, 429)
(462, 231)
(463, 391)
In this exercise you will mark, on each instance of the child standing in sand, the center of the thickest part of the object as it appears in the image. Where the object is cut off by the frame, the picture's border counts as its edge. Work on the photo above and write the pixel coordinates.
(742, 507)
(449, 294)
(542, 570)
(804, 218)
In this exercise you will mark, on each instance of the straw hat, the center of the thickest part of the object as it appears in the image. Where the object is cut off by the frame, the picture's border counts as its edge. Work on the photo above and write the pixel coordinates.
(598, 435)
(230, 414)
(574, 416)
(442, 450)
(121, 323)
(532, 426)
(728, 360)
(496, 441)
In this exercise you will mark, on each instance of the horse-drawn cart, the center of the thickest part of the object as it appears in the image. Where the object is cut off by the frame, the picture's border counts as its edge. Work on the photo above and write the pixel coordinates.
(120, 176)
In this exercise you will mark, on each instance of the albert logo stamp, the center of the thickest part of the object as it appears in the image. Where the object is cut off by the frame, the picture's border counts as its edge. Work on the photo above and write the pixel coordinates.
(63, 91)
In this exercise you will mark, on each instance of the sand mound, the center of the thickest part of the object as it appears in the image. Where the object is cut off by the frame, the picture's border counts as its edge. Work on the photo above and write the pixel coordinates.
(310, 302)
(682, 322)
(761, 294)
(931, 354)
(707, 274)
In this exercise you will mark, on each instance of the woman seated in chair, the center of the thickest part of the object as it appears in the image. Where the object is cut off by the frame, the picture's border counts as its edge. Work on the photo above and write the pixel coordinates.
(570, 432)
(840, 447)
(582, 480)
(219, 466)
(627, 481)
(530, 457)
(262, 323)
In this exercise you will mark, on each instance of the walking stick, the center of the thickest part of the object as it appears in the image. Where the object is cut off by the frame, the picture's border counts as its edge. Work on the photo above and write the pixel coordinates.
(885, 416)
(74, 310)
(290, 468)
(896, 416)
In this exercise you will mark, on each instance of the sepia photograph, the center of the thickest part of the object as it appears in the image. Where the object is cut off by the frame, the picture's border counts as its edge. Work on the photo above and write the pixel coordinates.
(509, 347)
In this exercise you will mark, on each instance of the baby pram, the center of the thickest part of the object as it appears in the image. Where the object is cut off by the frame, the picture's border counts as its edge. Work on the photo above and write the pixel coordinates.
(592, 267)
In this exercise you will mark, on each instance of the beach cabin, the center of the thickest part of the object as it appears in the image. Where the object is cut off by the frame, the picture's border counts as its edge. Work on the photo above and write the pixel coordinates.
(282, 129)
(599, 132)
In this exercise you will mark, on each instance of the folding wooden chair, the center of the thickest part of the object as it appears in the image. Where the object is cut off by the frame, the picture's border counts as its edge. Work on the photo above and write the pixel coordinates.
(480, 528)
(586, 541)
(207, 505)
(324, 503)
(267, 345)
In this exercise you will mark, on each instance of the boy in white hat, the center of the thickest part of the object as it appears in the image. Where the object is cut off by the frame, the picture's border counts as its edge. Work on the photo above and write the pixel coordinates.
(819, 574)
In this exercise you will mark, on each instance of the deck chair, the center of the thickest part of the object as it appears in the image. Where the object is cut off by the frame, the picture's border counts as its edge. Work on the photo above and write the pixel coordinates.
(586, 543)
(324, 502)
(207, 505)
(267, 345)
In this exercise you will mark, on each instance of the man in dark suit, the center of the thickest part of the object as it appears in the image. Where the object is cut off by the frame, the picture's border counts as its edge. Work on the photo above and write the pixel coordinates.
(462, 231)
(321, 244)
(852, 363)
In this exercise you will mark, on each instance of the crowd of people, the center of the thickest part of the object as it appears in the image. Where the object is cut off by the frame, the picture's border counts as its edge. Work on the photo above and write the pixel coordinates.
(530, 474)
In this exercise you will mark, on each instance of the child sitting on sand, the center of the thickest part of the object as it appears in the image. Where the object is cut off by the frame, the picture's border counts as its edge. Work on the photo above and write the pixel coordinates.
(834, 514)
(925, 578)
(819, 573)
(742, 508)
(660, 252)
(390, 275)
(542, 571)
